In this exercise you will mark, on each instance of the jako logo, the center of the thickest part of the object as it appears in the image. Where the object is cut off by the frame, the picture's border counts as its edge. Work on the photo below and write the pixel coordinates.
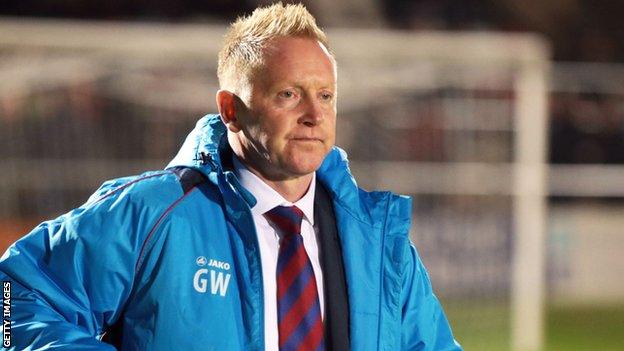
(201, 261)
(219, 281)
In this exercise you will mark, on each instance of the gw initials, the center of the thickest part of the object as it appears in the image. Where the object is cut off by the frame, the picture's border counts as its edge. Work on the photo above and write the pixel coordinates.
(219, 281)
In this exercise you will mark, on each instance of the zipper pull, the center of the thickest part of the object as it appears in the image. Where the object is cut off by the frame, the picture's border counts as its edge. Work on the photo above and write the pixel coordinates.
(203, 158)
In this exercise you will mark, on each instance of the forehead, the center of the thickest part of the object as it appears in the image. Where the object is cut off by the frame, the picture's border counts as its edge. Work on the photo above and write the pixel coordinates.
(296, 59)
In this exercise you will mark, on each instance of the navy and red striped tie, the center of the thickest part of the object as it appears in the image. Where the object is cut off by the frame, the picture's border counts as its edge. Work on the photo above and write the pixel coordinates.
(298, 310)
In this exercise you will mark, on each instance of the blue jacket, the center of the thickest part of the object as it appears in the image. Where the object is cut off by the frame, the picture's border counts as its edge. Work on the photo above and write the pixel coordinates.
(181, 267)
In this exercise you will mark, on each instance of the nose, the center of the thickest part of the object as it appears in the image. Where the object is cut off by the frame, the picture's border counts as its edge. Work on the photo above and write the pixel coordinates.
(313, 113)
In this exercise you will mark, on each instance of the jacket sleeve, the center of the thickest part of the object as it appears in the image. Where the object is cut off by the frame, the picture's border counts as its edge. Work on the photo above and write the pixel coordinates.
(71, 276)
(424, 325)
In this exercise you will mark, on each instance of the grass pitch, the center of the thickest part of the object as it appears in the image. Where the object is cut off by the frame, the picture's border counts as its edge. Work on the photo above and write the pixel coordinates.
(485, 327)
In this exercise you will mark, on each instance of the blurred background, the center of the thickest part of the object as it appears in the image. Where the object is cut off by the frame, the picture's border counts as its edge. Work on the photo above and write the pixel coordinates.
(504, 120)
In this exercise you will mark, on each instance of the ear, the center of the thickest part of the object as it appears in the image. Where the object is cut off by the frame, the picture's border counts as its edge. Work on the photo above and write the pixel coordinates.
(226, 103)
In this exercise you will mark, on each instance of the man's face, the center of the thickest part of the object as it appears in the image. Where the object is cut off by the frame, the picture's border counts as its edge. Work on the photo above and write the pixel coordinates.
(289, 123)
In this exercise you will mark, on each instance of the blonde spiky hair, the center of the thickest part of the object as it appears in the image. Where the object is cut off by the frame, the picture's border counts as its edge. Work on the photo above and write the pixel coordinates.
(243, 44)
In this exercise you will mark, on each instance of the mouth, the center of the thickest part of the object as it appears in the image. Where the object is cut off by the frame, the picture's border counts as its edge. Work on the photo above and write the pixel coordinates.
(307, 139)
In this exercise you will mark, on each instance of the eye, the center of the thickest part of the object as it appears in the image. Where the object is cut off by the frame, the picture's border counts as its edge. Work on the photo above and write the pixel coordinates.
(287, 94)
(327, 96)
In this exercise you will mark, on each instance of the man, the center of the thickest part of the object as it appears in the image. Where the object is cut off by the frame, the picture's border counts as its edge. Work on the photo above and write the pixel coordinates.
(255, 237)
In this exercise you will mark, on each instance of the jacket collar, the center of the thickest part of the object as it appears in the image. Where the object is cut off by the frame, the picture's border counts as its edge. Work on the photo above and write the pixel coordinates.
(201, 149)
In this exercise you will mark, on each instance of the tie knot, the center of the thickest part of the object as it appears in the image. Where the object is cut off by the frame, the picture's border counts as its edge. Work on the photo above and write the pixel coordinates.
(286, 218)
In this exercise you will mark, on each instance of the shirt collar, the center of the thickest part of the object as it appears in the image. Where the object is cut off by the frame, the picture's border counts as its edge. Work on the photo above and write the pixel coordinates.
(267, 198)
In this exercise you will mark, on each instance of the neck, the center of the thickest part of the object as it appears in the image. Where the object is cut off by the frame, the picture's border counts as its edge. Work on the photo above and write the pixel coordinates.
(291, 189)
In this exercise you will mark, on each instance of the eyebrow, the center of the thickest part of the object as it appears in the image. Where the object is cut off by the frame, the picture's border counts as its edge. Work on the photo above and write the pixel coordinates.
(316, 84)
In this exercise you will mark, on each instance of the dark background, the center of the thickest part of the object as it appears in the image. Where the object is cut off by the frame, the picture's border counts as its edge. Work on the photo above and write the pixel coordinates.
(580, 30)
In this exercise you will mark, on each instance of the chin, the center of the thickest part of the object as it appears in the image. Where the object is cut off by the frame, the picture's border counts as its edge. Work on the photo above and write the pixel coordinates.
(299, 171)
(305, 165)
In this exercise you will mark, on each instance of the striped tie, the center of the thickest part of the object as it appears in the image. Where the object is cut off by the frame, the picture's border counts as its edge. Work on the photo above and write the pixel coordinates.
(298, 309)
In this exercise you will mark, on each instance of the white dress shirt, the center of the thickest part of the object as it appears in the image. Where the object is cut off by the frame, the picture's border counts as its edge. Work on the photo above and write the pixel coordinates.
(268, 239)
